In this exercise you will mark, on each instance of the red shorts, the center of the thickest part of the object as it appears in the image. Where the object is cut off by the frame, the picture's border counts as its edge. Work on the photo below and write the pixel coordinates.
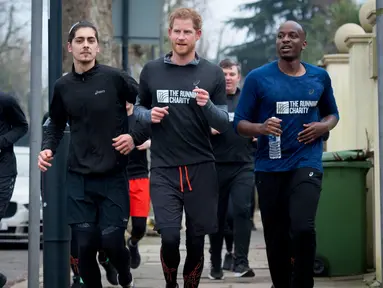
(139, 197)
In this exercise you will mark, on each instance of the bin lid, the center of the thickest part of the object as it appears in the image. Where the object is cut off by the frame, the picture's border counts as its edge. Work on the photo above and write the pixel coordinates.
(347, 158)
(349, 164)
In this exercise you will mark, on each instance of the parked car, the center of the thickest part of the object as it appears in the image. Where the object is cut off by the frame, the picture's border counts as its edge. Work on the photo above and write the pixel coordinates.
(14, 226)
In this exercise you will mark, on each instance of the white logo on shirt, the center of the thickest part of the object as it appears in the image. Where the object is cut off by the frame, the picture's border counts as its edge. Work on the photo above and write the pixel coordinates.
(175, 96)
(294, 107)
(283, 107)
(163, 96)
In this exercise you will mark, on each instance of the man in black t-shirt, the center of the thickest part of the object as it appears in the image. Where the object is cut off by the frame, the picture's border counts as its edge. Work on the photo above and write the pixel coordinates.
(182, 95)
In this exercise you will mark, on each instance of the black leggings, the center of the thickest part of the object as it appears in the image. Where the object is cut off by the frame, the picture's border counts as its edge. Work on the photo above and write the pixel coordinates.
(170, 257)
(138, 229)
(111, 240)
(138, 232)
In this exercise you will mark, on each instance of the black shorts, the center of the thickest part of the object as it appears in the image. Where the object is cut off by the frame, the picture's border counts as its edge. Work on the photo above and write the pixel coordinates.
(103, 200)
(194, 188)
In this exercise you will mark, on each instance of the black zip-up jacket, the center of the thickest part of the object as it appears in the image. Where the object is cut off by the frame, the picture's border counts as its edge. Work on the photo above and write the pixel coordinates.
(138, 160)
(94, 105)
(229, 147)
(13, 126)
(183, 136)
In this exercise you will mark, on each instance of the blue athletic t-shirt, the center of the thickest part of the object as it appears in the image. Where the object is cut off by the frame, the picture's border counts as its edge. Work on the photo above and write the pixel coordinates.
(268, 92)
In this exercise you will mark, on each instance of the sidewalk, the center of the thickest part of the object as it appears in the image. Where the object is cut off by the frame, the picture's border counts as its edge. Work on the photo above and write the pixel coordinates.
(149, 274)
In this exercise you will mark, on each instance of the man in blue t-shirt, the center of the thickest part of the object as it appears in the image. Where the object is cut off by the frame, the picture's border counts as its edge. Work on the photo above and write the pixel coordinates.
(289, 105)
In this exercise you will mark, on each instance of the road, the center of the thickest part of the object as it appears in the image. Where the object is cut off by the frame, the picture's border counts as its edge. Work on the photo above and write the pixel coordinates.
(14, 262)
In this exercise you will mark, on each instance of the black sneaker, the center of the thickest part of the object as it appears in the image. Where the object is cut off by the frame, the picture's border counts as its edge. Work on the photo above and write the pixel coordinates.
(111, 272)
(3, 280)
(135, 257)
(216, 274)
(77, 282)
(228, 262)
(130, 285)
(243, 271)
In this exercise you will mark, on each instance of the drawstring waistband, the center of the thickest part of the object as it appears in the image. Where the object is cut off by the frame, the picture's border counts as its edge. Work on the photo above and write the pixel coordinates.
(187, 178)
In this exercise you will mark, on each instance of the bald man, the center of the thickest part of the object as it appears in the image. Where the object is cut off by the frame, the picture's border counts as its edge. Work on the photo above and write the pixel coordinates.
(289, 106)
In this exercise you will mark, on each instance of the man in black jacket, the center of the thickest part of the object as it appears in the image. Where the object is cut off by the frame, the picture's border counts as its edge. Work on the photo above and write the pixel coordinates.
(234, 164)
(92, 100)
(13, 126)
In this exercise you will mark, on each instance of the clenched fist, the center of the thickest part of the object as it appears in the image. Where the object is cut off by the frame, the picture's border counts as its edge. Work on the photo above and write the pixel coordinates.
(272, 126)
(158, 113)
(202, 96)
(44, 159)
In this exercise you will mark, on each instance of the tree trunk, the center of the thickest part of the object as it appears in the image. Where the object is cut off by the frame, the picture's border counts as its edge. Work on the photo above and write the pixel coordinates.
(98, 12)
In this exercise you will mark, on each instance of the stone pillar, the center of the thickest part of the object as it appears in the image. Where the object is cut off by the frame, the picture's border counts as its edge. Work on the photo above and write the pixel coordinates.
(337, 67)
(361, 89)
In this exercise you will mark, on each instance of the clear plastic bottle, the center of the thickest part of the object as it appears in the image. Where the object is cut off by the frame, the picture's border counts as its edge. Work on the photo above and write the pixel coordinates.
(275, 147)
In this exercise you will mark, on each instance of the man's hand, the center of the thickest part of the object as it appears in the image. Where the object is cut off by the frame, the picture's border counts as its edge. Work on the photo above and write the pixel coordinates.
(312, 131)
(255, 139)
(214, 132)
(123, 143)
(144, 146)
(202, 96)
(272, 126)
(158, 113)
(44, 159)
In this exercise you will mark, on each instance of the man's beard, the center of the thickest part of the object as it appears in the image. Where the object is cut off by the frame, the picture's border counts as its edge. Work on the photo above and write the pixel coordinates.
(187, 51)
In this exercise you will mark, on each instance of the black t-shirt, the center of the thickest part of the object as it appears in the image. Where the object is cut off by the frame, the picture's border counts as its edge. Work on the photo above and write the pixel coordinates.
(183, 136)
(13, 126)
(229, 146)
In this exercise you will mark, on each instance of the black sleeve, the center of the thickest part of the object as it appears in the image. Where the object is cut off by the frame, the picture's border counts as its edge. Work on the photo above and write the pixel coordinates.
(144, 98)
(129, 88)
(139, 131)
(58, 120)
(216, 108)
(15, 117)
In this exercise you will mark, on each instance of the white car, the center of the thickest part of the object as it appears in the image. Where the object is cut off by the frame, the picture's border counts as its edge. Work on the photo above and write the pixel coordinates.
(14, 226)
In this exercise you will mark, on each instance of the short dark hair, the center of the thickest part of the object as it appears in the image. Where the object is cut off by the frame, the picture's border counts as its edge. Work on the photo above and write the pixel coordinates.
(78, 25)
(228, 63)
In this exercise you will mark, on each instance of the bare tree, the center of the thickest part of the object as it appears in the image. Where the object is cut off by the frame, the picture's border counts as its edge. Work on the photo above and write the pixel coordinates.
(99, 12)
(14, 52)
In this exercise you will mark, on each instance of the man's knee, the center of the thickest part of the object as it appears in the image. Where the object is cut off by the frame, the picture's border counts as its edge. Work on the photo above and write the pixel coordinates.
(170, 238)
(302, 229)
(112, 237)
(195, 243)
(242, 211)
(138, 227)
(86, 235)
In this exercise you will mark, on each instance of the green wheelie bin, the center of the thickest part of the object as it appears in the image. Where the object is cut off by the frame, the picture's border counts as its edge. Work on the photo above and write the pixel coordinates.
(341, 215)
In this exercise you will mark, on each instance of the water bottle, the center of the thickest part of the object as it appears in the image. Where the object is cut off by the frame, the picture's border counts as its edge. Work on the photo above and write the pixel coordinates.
(275, 147)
